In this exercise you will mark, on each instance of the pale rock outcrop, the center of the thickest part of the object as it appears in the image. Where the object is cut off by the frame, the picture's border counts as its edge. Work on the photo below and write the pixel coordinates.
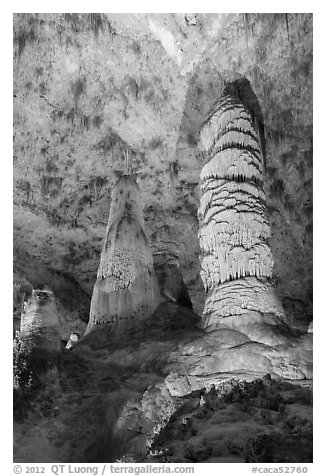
(164, 245)
(126, 290)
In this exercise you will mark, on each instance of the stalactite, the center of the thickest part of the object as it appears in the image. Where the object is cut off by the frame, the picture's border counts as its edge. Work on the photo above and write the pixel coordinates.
(287, 25)
(236, 261)
(128, 166)
(126, 290)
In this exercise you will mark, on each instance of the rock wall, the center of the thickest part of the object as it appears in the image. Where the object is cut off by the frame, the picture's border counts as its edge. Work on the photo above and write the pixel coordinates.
(165, 248)
(126, 290)
(236, 261)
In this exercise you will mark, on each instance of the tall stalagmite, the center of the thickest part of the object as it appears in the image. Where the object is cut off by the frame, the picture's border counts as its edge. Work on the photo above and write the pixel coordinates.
(37, 346)
(236, 261)
(126, 290)
(40, 322)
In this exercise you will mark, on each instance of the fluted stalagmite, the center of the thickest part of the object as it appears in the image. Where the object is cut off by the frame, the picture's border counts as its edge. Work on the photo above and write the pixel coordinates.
(126, 290)
(236, 261)
(164, 245)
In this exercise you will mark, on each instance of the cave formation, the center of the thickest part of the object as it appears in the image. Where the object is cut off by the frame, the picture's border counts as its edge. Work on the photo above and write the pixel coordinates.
(236, 260)
(126, 291)
(188, 306)
(40, 322)
(37, 345)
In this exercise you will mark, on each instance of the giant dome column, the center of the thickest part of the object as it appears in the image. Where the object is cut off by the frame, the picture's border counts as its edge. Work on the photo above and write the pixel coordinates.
(236, 260)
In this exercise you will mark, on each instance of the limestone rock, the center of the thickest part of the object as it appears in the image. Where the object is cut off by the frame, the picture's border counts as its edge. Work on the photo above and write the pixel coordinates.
(126, 290)
(85, 87)
(37, 350)
(40, 321)
(236, 261)
(229, 353)
(164, 245)
(120, 394)
(240, 421)
(72, 126)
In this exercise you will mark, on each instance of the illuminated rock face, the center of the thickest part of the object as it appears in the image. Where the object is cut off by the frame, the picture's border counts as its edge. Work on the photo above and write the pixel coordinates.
(164, 245)
(126, 290)
(40, 321)
(236, 261)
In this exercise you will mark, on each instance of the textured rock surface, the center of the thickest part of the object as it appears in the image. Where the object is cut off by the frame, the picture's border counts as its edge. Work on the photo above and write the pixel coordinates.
(261, 421)
(37, 352)
(90, 88)
(40, 320)
(126, 290)
(71, 301)
(165, 248)
(96, 415)
(87, 88)
(117, 394)
(236, 261)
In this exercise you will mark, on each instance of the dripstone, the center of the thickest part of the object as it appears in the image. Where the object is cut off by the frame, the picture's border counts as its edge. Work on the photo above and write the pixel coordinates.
(126, 291)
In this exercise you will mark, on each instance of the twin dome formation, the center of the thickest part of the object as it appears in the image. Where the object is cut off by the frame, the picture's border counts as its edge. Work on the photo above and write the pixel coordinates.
(236, 261)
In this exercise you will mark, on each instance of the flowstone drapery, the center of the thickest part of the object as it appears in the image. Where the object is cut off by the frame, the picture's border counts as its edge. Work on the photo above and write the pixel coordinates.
(236, 261)
(126, 290)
